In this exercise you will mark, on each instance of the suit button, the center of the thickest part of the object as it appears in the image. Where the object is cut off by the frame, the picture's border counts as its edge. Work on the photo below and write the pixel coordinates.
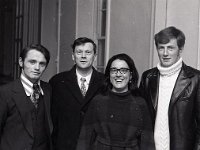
(82, 113)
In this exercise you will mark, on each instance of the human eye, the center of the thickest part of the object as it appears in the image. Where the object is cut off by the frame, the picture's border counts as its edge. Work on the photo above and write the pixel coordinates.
(88, 52)
(171, 48)
(160, 48)
(78, 52)
(124, 70)
(32, 62)
(113, 70)
(43, 64)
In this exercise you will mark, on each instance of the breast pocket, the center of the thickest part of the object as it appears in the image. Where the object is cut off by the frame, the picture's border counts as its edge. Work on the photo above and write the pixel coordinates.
(186, 95)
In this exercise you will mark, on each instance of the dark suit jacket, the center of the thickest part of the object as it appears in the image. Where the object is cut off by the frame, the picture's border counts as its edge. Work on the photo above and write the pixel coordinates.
(184, 107)
(69, 107)
(16, 131)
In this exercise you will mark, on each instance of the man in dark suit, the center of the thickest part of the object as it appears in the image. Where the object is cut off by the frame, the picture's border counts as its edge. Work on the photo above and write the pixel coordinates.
(172, 91)
(72, 92)
(25, 122)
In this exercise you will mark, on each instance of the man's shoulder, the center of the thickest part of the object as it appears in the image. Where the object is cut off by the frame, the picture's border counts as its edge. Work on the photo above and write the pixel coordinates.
(150, 72)
(9, 86)
(190, 70)
(44, 83)
(100, 74)
(97, 77)
(60, 76)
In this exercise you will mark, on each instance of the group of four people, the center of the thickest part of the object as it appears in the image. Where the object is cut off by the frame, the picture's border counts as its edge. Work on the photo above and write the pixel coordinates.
(87, 110)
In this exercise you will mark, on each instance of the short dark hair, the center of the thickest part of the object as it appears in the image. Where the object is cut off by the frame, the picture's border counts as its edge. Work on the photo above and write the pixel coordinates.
(83, 40)
(165, 35)
(133, 85)
(37, 47)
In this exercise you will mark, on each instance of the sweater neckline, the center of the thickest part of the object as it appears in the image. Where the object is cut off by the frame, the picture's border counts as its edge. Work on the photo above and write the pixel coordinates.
(169, 71)
(125, 96)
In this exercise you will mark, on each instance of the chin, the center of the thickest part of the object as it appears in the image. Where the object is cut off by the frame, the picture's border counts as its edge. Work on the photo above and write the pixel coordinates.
(35, 78)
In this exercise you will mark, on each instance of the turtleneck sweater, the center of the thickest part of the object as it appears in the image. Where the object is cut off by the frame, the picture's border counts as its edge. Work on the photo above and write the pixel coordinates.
(168, 77)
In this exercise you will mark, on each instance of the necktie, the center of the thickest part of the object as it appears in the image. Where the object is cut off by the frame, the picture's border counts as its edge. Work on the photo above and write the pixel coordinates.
(36, 94)
(83, 87)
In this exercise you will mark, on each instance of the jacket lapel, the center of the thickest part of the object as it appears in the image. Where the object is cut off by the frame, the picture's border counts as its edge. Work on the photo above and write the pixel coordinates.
(23, 105)
(70, 80)
(72, 84)
(154, 88)
(183, 81)
(93, 86)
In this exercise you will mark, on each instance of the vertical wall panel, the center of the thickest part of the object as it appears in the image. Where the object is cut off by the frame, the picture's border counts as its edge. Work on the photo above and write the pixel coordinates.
(130, 30)
(85, 22)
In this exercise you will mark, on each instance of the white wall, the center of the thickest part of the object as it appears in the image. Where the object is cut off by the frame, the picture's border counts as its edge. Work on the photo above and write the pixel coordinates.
(130, 30)
(85, 19)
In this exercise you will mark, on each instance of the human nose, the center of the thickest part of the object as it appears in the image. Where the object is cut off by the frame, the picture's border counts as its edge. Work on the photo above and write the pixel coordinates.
(118, 73)
(83, 54)
(165, 52)
(37, 66)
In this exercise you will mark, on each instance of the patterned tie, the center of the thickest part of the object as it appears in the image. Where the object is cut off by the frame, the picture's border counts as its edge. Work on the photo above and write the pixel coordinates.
(83, 87)
(36, 94)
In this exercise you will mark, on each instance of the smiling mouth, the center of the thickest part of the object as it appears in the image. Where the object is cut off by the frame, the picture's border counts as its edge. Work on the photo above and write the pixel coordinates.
(119, 81)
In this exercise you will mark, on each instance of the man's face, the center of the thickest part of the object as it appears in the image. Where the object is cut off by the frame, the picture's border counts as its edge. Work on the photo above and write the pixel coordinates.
(33, 65)
(168, 53)
(84, 56)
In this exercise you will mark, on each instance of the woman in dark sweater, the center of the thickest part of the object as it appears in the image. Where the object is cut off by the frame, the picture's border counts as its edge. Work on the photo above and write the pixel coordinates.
(118, 118)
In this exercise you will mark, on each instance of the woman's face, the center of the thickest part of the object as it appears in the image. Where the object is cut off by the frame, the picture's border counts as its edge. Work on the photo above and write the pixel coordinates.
(119, 76)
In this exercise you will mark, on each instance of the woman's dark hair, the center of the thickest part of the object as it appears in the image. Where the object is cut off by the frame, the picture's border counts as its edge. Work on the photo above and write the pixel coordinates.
(133, 84)
(38, 48)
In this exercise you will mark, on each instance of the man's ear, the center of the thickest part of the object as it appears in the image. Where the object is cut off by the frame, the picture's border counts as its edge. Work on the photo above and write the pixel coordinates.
(20, 61)
(95, 57)
(72, 56)
(181, 49)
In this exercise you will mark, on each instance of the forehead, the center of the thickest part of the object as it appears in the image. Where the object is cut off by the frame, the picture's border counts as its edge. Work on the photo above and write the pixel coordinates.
(35, 54)
(119, 64)
(172, 42)
(85, 46)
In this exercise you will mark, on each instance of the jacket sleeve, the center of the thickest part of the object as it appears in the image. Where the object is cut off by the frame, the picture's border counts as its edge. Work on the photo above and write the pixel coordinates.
(54, 113)
(87, 134)
(197, 107)
(3, 112)
(147, 134)
(142, 86)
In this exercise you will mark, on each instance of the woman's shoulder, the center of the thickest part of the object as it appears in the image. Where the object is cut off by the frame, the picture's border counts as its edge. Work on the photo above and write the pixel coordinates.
(140, 100)
(99, 98)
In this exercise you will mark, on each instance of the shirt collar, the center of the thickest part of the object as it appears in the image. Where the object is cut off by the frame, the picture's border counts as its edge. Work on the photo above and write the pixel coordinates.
(88, 77)
(28, 85)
